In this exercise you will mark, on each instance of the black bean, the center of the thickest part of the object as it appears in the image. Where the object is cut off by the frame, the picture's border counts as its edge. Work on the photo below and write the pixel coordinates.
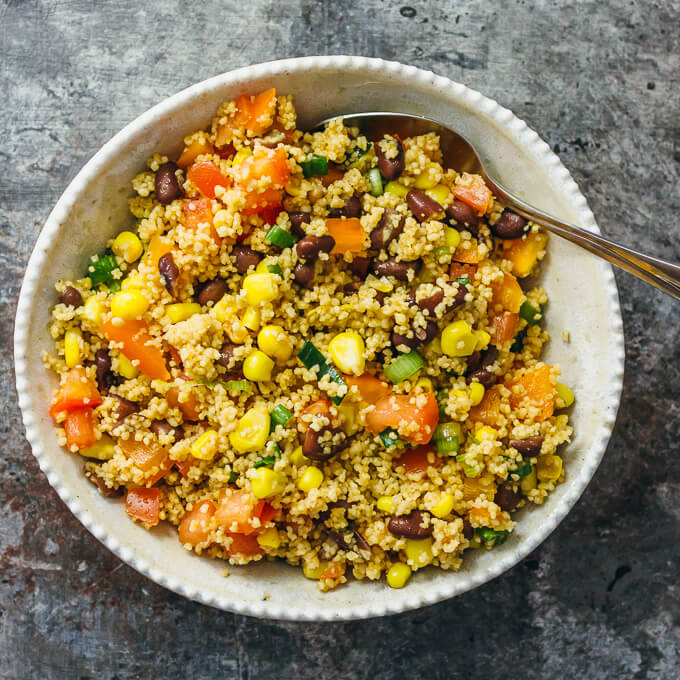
(409, 526)
(169, 272)
(488, 356)
(71, 297)
(351, 288)
(474, 361)
(392, 267)
(163, 428)
(227, 357)
(245, 258)
(212, 291)
(102, 362)
(481, 375)
(390, 168)
(464, 216)
(427, 334)
(531, 446)
(422, 206)
(426, 304)
(359, 266)
(509, 225)
(309, 247)
(468, 531)
(362, 543)
(304, 274)
(353, 207)
(297, 219)
(109, 492)
(313, 447)
(400, 339)
(123, 408)
(506, 498)
(166, 184)
(390, 226)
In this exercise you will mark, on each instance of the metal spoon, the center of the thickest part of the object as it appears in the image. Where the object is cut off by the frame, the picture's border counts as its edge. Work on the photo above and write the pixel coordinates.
(461, 155)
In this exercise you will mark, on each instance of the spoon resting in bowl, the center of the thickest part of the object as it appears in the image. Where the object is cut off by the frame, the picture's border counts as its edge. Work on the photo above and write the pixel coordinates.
(458, 153)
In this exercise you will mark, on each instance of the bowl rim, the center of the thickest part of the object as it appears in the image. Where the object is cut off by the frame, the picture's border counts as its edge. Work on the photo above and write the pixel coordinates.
(367, 607)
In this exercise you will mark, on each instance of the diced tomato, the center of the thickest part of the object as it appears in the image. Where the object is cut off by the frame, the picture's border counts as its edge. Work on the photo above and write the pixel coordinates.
(335, 172)
(503, 327)
(189, 407)
(333, 571)
(269, 215)
(267, 513)
(76, 392)
(151, 459)
(271, 164)
(79, 428)
(226, 151)
(537, 391)
(193, 151)
(198, 213)
(370, 388)
(474, 192)
(488, 411)
(414, 423)
(236, 510)
(507, 293)
(254, 114)
(417, 459)
(348, 233)
(138, 346)
(459, 271)
(196, 525)
(243, 544)
(143, 504)
(206, 176)
(467, 254)
(256, 202)
(320, 407)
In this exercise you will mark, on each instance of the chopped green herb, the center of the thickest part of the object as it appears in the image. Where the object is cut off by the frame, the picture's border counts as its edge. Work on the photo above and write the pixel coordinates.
(404, 366)
(280, 415)
(518, 343)
(389, 438)
(264, 462)
(101, 270)
(114, 286)
(311, 357)
(278, 236)
(530, 313)
(314, 165)
(463, 280)
(356, 155)
(233, 476)
(275, 269)
(375, 182)
(491, 536)
(523, 470)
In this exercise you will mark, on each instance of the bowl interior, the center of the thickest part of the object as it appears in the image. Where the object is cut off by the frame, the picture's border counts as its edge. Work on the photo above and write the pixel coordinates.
(582, 301)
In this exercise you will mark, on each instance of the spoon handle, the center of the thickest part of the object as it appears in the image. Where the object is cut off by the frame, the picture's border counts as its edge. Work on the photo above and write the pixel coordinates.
(663, 275)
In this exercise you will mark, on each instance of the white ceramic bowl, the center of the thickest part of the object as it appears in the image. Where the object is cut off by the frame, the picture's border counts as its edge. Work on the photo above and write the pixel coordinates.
(583, 300)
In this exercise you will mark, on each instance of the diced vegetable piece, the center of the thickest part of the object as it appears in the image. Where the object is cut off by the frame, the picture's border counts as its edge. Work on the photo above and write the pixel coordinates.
(241, 544)
(198, 213)
(417, 459)
(334, 174)
(389, 437)
(252, 430)
(518, 343)
(503, 327)
(275, 269)
(264, 461)
(458, 339)
(442, 397)
(151, 459)
(280, 415)
(523, 252)
(193, 151)
(413, 417)
(266, 483)
(565, 394)
(314, 165)
(467, 253)
(206, 176)
(278, 236)
(348, 234)
(507, 293)
(79, 428)
(311, 357)
(144, 505)
(447, 437)
(488, 411)
(404, 366)
(460, 270)
(264, 163)
(375, 182)
(237, 386)
(138, 345)
(523, 470)
(476, 487)
(254, 114)
(492, 536)
(472, 190)
(101, 270)
(529, 313)
(371, 389)
(102, 449)
(76, 392)
(536, 391)
(356, 154)
(333, 571)
(237, 510)
(196, 524)
(347, 351)
(158, 246)
(320, 407)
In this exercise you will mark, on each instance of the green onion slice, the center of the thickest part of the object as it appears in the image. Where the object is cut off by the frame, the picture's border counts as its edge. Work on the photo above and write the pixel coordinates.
(528, 312)
(447, 437)
(280, 415)
(278, 236)
(275, 269)
(233, 476)
(463, 280)
(518, 343)
(389, 437)
(356, 155)
(237, 386)
(523, 470)
(491, 536)
(442, 397)
(375, 182)
(101, 270)
(314, 165)
(311, 357)
(264, 461)
(404, 366)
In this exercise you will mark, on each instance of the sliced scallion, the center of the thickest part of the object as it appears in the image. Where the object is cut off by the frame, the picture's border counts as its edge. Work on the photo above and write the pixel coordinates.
(518, 343)
(523, 470)
(463, 280)
(233, 476)
(404, 366)
(492, 536)
(314, 165)
(264, 461)
(275, 269)
(356, 155)
(447, 437)
(530, 313)
(375, 182)
(311, 357)
(278, 236)
(101, 270)
(389, 437)
(237, 386)
(280, 415)
(442, 400)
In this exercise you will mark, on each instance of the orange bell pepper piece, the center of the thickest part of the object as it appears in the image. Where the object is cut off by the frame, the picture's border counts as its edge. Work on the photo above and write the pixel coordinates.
(236, 510)
(488, 411)
(158, 246)
(320, 407)
(348, 233)
(468, 255)
(151, 459)
(76, 392)
(198, 213)
(414, 423)
(503, 327)
(144, 505)
(137, 345)
(79, 428)
(333, 571)
(472, 190)
(254, 114)
(459, 271)
(523, 252)
(536, 390)
(507, 293)
(243, 544)
(206, 176)
(371, 389)
(193, 151)
(262, 178)
(189, 407)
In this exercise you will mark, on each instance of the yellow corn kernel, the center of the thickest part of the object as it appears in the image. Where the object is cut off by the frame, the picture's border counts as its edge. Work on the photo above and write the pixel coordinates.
(241, 155)
(258, 367)
(93, 310)
(269, 538)
(347, 352)
(129, 304)
(252, 430)
(457, 339)
(236, 331)
(220, 218)
(398, 575)
(528, 482)
(266, 483)
(483, 339)
(297, 457)
(419, 552)
(126, 368)
(205, 446)
(251, 319)
(73, 347)
(385, 504)
(383, 285)
(293, 188)
(443, 507)
(128, 246)
(102, 449)
(260, 288)
(224, 308)
(548, 468)
(425, 384)
(132, 281)
(452, 237)
(181, 311)
(314, 573)
(274, 342)
(425, 181)
(440, 193)
(476, 393)
(397, 189)
(311, 478)
(486, 432)
(262, 267)
(349, 419)
(565, 395)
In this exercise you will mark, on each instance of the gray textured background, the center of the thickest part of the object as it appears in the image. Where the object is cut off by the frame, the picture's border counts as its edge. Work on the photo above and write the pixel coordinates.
(599, 82)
